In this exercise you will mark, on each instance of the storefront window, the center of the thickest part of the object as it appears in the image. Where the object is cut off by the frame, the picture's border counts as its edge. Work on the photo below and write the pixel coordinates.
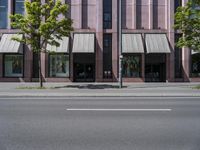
(131, 66)
(195, 68)
(13, 65)
(3, 13)
(59, 65)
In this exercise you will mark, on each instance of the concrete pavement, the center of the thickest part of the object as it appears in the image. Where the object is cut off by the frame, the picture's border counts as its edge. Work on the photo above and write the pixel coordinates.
(99, 89)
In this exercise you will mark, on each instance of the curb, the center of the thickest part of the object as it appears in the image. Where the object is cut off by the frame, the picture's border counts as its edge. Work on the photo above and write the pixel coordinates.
(97, 95)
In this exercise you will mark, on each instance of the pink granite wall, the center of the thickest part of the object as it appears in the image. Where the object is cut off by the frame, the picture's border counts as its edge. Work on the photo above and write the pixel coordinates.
(28, 64)
(186, 58)
(76, 12)
(142, 12)
(114, 39)
(99, 41)
(92, 11)
(159, 16)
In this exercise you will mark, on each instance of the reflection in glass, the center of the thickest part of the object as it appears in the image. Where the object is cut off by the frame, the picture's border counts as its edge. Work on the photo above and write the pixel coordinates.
(195, 68)
(131, 66)
(19, 7)
(59, 65)
(13, 65)
(3, 13)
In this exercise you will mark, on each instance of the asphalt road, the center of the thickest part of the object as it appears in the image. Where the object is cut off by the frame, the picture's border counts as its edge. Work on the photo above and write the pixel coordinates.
(100, 123)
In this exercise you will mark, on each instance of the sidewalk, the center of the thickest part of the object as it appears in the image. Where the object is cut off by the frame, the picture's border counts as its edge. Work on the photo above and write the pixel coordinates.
(100, 89)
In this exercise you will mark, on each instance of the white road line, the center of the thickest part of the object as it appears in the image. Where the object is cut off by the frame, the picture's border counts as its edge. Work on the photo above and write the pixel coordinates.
(125, 110)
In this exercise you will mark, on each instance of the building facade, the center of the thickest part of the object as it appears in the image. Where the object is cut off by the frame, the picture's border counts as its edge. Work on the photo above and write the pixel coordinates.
(91, 54)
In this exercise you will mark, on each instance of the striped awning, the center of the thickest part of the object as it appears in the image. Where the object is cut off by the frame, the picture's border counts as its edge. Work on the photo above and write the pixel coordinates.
(63, 48)
(132, 43)
(157, 43)
(7, 45)
(83, 43)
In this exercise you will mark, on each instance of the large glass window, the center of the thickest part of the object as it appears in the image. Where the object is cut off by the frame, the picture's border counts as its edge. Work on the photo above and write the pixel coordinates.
(13, 65)
(59, 65)
(3, 13)
(19, 7)
(195, 68)
(107, 14)
(107, 56)
(131, 66)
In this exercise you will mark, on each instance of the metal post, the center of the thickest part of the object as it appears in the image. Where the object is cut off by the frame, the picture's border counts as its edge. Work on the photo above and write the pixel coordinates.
(120, 41)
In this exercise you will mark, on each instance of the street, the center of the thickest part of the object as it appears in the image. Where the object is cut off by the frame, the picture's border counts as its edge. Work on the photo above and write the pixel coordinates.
(100, 123)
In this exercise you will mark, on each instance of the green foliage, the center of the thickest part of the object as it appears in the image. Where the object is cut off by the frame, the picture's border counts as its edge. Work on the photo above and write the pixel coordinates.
(187, 21)
(43, 23)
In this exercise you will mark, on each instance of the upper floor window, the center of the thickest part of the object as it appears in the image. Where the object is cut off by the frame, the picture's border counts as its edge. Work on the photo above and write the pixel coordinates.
(3, 13)
(19, 7)
(107, 14)
(177, 3)
(84, 14)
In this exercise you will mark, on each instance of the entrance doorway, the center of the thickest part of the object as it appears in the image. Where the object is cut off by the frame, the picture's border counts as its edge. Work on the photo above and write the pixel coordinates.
(155, 68)
(84, 67)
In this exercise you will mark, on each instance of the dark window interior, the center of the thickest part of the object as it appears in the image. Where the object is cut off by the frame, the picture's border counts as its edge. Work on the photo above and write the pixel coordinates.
(107, 56)
(177, 3)
(178, 58)
(107, 14)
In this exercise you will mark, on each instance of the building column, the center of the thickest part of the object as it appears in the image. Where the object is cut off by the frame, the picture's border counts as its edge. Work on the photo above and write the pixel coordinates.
(186, 58)
(28, 63)
(71, 60)
(76, 13)
(167, 67)
(99, 42)
(43, 65)
(143, 66)
(151, 14)
(10, 11)
(169, 25)
(115, 50)
(186, 64)
(134, 14)
(1, 65)
(99, 57)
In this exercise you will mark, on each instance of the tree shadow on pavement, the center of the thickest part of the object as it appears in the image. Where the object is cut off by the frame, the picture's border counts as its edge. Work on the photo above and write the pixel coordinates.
(90, 86)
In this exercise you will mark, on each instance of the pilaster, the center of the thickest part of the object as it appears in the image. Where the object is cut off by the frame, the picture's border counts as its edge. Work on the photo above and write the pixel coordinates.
(150, 14)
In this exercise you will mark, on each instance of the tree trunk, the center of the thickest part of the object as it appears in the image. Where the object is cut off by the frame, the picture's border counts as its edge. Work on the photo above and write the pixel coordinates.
(40, 71)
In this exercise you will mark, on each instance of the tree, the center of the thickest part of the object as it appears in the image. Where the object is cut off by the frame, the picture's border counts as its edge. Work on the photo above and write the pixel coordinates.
(187, 21)
(43, 23)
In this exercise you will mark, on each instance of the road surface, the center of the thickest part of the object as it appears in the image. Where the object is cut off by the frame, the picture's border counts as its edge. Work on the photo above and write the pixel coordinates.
(106, 123)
